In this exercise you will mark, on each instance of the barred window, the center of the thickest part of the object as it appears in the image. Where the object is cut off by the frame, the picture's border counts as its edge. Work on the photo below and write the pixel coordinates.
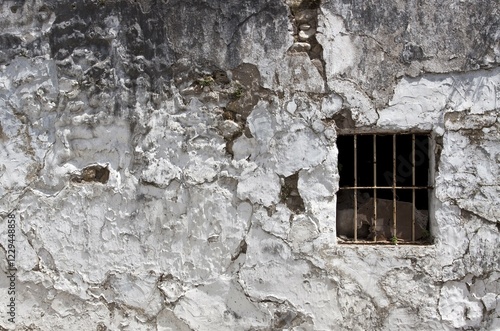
(384, 189)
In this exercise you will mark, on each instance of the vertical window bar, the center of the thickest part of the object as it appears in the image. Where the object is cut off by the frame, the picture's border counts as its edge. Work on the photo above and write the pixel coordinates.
(355, 213)
(413, 187)
(394, 208)
(374, 187)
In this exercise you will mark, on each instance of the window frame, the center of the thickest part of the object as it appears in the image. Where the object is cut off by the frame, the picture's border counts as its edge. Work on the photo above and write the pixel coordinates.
(431, 158)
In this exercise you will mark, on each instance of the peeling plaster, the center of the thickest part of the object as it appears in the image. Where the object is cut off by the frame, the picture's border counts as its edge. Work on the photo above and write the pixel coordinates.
(172, 165)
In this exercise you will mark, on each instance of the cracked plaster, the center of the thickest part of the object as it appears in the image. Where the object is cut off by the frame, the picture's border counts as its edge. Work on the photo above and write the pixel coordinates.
(189, 231)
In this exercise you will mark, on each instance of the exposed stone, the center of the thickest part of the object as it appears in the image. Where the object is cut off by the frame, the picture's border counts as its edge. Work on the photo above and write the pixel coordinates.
(300, 47)
(305, 35)
(229, 129)
(304, 27)
(305, 16)
(411, 53)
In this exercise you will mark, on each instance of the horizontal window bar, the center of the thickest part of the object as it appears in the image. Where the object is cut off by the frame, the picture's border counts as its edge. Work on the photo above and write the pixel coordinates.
(349, 132)
(384, 187)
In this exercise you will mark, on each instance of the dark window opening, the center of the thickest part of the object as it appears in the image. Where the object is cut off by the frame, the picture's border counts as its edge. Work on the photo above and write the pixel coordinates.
(384, 188)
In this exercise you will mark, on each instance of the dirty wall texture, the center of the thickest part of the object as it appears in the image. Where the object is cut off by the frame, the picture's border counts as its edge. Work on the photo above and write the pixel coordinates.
(172, 165)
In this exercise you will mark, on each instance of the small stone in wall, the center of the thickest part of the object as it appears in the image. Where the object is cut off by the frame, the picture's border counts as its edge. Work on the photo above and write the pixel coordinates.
(300, 47)
(305, 35)
(305, 16)
(229, 129)
(411, 52)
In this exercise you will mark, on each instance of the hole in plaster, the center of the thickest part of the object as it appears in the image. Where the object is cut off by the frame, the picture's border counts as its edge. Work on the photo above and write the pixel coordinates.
(220, 77)
(3, 136)
(246, 91)
(289, 319)
(343, 119)
(43, 9)
(92, 173)
(411, 52)
(101, 327)
(271, 210)
(290, 194)
(242, 249)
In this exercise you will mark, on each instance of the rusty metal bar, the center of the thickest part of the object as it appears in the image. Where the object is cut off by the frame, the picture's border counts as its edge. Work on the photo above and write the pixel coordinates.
(355, 213)
(394, 208)
(413, 190)
(374, 189)
(385, 187)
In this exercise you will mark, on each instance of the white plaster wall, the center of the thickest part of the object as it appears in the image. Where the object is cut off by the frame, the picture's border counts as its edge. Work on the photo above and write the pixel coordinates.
(191, 232)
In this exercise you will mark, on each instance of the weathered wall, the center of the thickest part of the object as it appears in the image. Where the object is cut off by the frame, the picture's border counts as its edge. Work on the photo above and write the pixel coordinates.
(217, 121)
